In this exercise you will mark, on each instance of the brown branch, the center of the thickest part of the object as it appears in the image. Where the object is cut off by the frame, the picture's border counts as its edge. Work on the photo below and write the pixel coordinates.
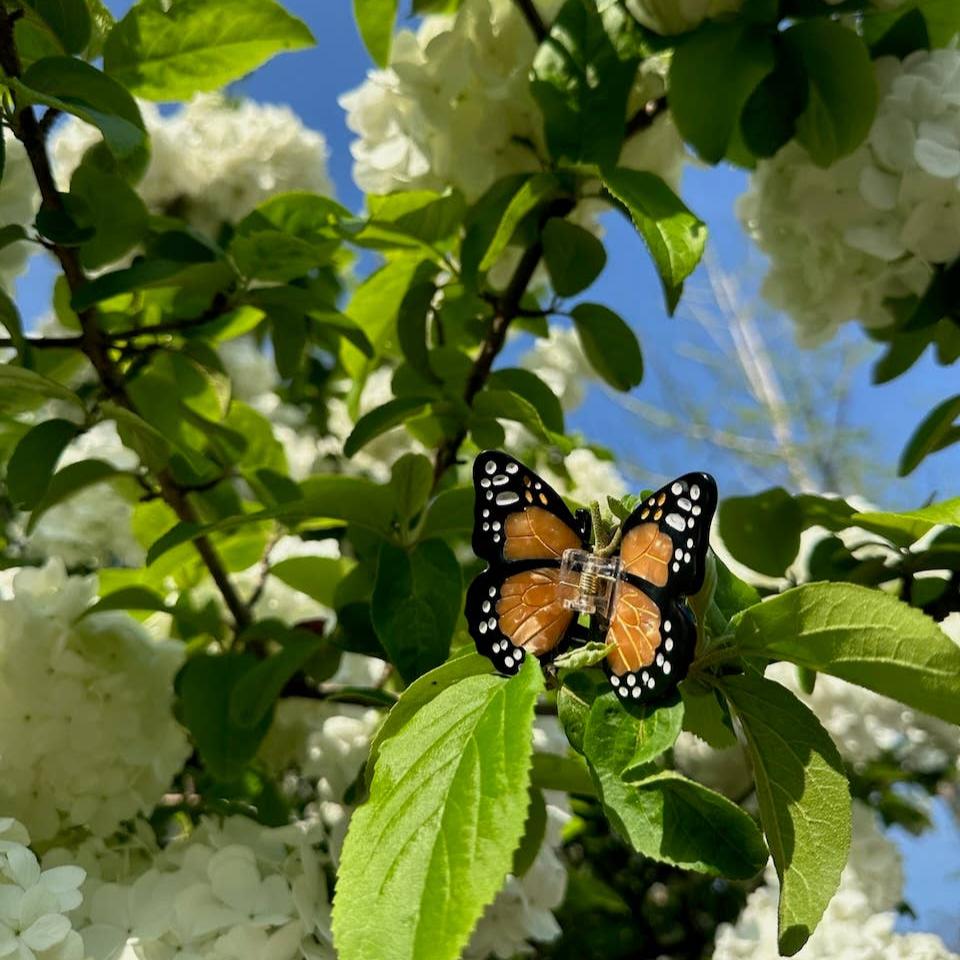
(507, 310)
(644, 118)
(92, 341)
(217, 308)
(533, 18)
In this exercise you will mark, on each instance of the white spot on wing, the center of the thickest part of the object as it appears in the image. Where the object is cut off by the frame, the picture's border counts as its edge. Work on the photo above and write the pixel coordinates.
(666, 668)
(506, 497)
(676, 489)
(512, 468)
(684, 504)
(490, 467)
(675, 520)
(695, 492)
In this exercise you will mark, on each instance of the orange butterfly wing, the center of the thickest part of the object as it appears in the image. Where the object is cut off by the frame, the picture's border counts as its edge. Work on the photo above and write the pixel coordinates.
(522, 528)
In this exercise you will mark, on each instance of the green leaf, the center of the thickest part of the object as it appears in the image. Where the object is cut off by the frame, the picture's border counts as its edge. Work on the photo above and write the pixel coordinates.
(449, 513)
(582, 82)
(934, 433)
(375, 20)
(18, 384)
(129, 598)
(665, 816)
(416, 603)
(863, 636)
(843, 90)
(628, 737)
(101, 23)
(197, 45)
(674, 236)
(426, 215)
(533, 833)
(9, 315)
(609, 344)
(804, 800)
(118, 225)
(68, 19)
(408, 885)
(150, 444)
(569, 774)
(534, 192)
(254, 694)
(574, 700)
(70, 480)
(35, 458)
(762, 531)
(528, 385)
(712, 74)
(205, 687)
(579, 658)
(374, 307)
(425, 688)
(913, 524)
(574, 256)
(732, 594)
(380, 419)
(77, 88)
(326, 497)
(412, 329)
(317, 577)
(769, 117)
(940, 17)
(411, 479)
(507, 405)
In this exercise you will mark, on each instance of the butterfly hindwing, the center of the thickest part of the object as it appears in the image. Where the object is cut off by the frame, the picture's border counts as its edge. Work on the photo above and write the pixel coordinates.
(663, 550)
(511, 613)
(521, 528)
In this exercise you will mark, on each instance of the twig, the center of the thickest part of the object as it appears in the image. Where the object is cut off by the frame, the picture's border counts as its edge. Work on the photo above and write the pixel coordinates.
(508, 309)
(93, 342)
(645, 117)
(533, 18)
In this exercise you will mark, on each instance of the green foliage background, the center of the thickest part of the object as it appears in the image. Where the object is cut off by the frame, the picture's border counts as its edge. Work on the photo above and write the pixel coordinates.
(447, 788)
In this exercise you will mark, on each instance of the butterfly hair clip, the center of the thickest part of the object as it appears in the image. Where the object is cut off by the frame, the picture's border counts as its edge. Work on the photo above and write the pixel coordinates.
(543, 576)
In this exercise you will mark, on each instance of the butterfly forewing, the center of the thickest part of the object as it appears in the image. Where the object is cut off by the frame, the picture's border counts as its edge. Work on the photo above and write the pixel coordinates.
(517, 515)
(521, 528)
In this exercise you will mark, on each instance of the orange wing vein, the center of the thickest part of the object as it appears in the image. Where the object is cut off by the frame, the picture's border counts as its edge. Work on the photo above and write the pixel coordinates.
(646, 551)
(531, 609)
(536, 534)
(635, 629)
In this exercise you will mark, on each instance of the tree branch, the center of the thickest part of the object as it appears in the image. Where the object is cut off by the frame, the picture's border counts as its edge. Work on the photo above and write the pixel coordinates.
(533, 18)
(92, 341)
(507, 310)
(644, 118)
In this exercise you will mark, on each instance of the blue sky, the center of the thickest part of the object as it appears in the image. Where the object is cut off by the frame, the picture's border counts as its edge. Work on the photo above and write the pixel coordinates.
(310, 83)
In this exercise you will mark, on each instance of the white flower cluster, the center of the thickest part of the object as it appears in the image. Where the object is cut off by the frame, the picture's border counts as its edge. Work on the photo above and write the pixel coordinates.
(230, 890)
(34, 903)
(859, 922)
(522, 913)
(87, 737)
(865, 725)
(559, 361)
(842, 240)
(19, 199)
(91, 528)
(214, 159)
(454, 107)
